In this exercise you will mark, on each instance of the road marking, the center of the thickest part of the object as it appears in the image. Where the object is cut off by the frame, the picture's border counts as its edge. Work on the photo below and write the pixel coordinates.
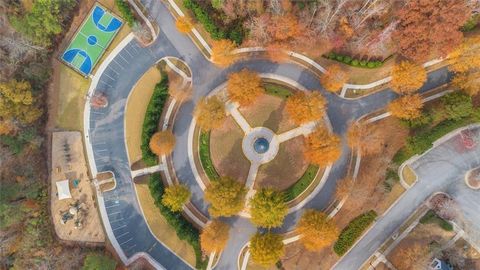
(130, 247)
(123, 234)
(153, 246)
(126, 241)
(114, 213)
(114, 71)
(117, 220)
(123, 226)
(108, 76)
(123, 58)
(126, 49)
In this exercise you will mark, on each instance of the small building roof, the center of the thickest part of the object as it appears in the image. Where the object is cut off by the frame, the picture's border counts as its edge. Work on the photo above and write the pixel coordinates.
(63, 189)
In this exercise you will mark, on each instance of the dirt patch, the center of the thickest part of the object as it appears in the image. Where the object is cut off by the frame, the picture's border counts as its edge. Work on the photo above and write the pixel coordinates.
(226, 151)
(135, 110)
(268, 111)
(158, 225)
(428, 236)
(286, 168)
(68, 163)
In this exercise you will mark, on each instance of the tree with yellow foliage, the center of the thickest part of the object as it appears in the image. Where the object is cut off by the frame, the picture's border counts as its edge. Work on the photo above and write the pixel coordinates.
(465, 63)
(222, 52)
(322, 148)
(316, 230)
(406, 107)
(305, 107)
(214, 236)
(6, 127)
(334, 78)
(408, 77)
(368, 139)
(175, 197)
(266, 249)
(162, 142)
(226, 197)
(184, 24)
(210, 113)
(17, 102)
(268, 208)
(244, 87)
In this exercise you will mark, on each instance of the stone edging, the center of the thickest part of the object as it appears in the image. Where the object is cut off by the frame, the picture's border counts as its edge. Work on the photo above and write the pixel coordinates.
(467, 175)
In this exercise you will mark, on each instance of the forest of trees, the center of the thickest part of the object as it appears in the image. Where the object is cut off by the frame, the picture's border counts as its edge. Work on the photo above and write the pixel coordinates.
(29, 36)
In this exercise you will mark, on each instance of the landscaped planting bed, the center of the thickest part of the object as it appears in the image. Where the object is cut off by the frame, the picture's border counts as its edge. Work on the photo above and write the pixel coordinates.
(353, 231)
(152, 117)
(184, 229)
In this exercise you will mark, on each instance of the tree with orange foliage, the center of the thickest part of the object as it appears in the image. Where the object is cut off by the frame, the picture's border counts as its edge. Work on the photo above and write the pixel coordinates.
(408, 77)
(184, 24)
(6, 127)
(214, 236)
(305, 107)
(222, 52)
(406, 107)
(343, 188)
(430, 27)
(244, 87)
(162, 142)
(334, 78)
(210, 113)
(317, 230)
(277, 52)
(465, 63)
(368, 139)
(322, 148)
(283, 27)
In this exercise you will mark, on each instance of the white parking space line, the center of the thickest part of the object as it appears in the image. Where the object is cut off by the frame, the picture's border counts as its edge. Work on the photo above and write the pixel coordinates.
(120, 65)
(131, 247)
(114, 213)
(108, 76)
(123, 58)
(121, 244)
(100, 113)
(131, 55)
(117, 220)
(113, 70)
(123, 234)
(152, 247)
(119, 227)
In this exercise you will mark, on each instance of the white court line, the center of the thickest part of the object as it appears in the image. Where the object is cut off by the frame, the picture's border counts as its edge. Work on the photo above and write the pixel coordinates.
(126, 241)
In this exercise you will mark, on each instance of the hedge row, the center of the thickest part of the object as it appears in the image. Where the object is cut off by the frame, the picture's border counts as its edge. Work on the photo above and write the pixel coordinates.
(201, 14)
(353, 231)
(354, 62)
(205, 157)
(421, 142)
(152, 117)
(126, 11)
(296, 189)
(184, 229)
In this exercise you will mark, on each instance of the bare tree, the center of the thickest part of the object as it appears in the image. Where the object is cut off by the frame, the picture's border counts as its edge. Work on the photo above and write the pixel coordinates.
(325, 14)
(367, 10)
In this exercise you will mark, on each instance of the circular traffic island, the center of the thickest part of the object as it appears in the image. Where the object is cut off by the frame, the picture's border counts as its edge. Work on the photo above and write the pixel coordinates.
(472, 178)
(260, 146)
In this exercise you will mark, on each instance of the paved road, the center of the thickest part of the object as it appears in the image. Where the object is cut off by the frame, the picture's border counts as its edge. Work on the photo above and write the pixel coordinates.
(440, 170)
(108, 138)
